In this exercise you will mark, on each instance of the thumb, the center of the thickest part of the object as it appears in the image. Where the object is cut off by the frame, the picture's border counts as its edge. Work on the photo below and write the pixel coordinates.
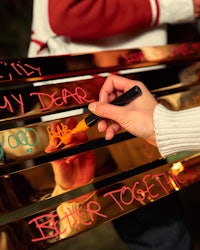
(106, 110)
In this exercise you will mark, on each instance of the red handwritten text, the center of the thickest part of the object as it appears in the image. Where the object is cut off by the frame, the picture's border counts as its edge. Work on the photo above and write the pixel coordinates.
(185, 49)
(8, 106)
(149, 187)
(73, 219)
(136, 56)
(17, 68)
(79, 95)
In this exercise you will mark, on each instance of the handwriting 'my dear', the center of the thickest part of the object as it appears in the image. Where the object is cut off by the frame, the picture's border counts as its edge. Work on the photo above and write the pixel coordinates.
(79, 95)
(15, 102)
(6, 103)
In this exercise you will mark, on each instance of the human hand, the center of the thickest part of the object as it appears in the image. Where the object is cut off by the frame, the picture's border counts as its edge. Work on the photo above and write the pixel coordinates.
(196, 4)
(73, 171)
(136, 117)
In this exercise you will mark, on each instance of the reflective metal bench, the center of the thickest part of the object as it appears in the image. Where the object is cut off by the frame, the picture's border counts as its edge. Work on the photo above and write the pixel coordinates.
(37, 93)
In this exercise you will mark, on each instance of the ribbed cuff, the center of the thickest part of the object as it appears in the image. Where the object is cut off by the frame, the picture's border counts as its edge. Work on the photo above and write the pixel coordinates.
(179, 11)
(177, 131)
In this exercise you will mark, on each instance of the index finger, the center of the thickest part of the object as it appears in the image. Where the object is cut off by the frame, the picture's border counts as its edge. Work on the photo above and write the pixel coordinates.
(114, 86)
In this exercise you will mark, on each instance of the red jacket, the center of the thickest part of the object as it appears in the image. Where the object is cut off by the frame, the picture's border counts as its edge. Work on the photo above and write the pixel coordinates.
(79, 26)
(99, 18)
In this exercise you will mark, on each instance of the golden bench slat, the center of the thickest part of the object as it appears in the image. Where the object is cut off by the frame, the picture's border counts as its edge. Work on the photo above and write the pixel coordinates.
(38, 92)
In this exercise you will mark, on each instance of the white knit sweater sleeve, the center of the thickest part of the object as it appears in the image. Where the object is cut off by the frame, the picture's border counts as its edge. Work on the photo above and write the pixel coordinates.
(179, 11)
(177, 131)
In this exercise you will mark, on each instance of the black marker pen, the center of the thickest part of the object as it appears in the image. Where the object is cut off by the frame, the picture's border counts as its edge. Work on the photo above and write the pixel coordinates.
(121, 100)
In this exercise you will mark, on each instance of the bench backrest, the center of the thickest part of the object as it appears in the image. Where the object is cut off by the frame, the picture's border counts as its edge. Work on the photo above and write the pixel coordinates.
(37, 93)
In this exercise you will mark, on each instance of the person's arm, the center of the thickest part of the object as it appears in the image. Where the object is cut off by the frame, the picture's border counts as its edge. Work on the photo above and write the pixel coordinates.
(92, 19)
(170, 131)
(177, 131)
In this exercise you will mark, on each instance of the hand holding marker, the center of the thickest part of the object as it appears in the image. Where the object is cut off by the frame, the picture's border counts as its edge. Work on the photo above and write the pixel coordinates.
(92, 119)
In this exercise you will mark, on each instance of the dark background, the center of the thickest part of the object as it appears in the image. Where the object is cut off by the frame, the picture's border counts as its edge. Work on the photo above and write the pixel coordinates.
(15, 28)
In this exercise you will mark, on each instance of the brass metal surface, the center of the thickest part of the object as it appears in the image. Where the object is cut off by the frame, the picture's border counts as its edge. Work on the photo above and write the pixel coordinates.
(128, 172)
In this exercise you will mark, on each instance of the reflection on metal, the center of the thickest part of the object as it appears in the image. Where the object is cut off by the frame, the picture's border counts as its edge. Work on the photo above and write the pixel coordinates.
(30, 70)
(104, 179)
(117, 198)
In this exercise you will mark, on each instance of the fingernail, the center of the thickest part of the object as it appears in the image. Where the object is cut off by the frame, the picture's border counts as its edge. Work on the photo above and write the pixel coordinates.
(99, 128)
(92, 106)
